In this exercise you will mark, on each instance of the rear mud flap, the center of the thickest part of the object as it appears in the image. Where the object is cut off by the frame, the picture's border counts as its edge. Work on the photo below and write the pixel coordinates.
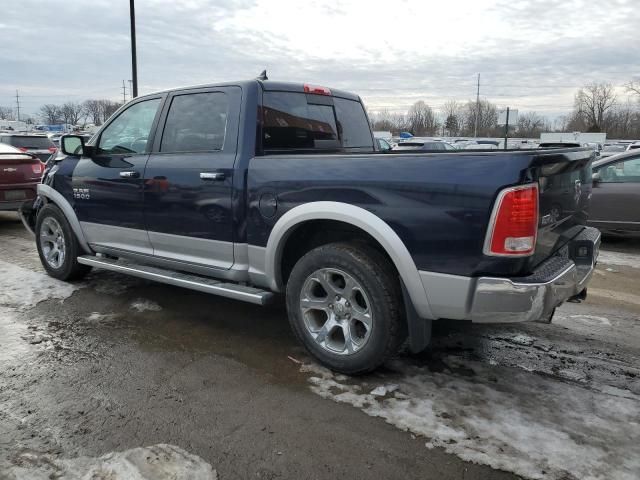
(419, 329)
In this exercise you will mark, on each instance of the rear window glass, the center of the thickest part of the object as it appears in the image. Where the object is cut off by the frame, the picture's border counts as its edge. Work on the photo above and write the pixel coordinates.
(290, 122)
(26, 141)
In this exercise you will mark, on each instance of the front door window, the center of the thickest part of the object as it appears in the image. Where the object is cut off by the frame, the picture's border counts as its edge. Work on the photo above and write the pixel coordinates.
(129, 133)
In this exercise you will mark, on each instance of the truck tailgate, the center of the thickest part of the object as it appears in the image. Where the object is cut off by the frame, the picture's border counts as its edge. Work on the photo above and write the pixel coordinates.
(564, 178)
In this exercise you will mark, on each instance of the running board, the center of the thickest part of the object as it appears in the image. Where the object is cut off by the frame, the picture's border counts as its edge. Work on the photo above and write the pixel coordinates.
(186, 280)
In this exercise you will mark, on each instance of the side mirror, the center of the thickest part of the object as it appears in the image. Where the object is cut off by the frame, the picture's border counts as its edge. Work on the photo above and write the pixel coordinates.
(72, 145)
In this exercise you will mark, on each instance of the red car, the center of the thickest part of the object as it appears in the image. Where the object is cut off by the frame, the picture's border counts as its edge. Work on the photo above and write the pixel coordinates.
(20, 173)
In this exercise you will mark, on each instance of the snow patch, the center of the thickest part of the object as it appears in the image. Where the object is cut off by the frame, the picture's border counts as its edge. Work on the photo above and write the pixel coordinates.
(532, 425)
(97, 317)
(383, 390)
(618, 258)
(22, 289)
(143, 305)
(158, 462)
(591, 319)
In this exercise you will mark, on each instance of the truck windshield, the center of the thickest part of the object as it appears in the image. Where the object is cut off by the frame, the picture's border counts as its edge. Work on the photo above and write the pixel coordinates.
(293, 122)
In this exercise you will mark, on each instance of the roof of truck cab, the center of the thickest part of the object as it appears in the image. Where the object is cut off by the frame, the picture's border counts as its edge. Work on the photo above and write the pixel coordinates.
(267, 85)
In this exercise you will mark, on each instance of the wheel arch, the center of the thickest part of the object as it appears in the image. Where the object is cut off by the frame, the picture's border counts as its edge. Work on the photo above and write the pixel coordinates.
(55, 197)
(359, 218)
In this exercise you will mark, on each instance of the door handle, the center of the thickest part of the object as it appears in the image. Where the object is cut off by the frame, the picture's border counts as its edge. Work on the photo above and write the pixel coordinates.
(129, 174)
(212, 176)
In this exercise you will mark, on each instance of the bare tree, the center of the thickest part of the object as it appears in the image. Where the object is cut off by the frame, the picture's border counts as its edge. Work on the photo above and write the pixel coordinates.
(487, 118)
(421, 119)
(6, 113)
(633, 87)
(382, 121)
(399, 122)
(107, 108)
(72, 112)
(531, 125)
(93, 110)
(452, 117)
(593, 101)
(51, 113)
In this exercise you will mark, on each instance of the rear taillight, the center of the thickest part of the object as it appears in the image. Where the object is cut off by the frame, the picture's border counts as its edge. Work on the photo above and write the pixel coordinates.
(36, 168)
(316, 89)
(52, 150)
(513, 226)
(22, 149)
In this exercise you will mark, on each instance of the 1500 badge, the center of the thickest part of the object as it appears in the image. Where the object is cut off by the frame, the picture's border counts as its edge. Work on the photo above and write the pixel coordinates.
(81, 193)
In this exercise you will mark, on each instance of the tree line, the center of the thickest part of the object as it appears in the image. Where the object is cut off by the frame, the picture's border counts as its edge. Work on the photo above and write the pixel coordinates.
(596, 108)
(73, 113)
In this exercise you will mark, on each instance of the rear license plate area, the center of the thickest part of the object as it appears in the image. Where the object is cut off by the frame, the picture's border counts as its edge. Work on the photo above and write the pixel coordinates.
(15, 195)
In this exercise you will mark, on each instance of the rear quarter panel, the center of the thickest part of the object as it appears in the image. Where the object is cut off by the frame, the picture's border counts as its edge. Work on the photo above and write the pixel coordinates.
(438, 204)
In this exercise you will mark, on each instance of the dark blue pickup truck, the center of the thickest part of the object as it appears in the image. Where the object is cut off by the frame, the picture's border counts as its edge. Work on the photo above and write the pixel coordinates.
(250, 188)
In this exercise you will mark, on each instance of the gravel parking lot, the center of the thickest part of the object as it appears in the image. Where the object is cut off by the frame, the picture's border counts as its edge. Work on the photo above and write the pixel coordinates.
(112, 371)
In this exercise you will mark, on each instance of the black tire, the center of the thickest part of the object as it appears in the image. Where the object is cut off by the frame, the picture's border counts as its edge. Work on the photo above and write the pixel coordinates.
(69, 268)
(379, 280)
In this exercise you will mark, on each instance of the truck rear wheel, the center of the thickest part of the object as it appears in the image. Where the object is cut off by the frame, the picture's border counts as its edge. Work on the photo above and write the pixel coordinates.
(344, 305)
(57, 245)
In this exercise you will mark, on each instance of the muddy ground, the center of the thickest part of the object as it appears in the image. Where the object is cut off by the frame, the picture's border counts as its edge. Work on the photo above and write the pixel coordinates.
(115, 363)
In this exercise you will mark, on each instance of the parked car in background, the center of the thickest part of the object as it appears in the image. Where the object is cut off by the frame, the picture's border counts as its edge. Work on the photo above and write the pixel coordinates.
(610, 149)
(481, 146)
(615, 201)
(424, 146)
(20, 174)
(560, 145)
(633, 146)
(39, 145)
(383, 145)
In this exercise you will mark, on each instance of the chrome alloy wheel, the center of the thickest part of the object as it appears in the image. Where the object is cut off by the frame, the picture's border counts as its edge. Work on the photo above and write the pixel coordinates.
(336, 311)
(52, 242)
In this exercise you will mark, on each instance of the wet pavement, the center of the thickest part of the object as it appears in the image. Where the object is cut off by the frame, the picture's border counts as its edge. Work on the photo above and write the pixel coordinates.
(115, 364)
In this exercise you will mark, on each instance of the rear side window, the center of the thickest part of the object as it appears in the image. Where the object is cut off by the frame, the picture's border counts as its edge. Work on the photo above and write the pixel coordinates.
(294, 121)
(196, 122)
(26, 141)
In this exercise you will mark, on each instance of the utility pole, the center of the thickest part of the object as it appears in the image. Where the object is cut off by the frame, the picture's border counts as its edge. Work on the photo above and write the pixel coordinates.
(124, 93)
(506, 129)
(475, 130)
(17, 105)
(134, 61)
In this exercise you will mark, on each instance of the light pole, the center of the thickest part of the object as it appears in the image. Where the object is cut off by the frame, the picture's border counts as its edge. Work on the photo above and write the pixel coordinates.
(134, 62)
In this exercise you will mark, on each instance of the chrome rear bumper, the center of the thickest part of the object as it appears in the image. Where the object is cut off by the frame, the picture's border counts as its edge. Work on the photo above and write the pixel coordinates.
(502, 300)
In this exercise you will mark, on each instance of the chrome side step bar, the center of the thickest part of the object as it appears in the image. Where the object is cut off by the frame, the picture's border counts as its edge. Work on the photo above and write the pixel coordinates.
(194, 282)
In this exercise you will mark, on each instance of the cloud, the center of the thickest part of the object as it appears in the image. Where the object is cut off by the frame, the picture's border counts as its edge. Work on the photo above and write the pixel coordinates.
(532, 55)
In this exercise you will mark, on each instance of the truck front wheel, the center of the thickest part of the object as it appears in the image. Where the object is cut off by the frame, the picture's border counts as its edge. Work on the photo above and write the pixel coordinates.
(57, 245)
(344, 305)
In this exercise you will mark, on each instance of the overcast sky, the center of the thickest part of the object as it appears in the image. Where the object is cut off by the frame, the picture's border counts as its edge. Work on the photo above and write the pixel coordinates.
(532, 55)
